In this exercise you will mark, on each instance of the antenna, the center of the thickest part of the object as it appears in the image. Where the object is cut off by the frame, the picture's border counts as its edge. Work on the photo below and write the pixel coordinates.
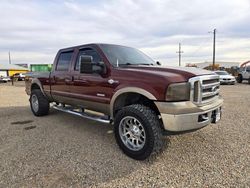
(117, 62)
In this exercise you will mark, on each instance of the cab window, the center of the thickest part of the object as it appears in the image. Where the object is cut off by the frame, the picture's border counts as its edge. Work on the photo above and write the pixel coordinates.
(90, 52)
(64, 61)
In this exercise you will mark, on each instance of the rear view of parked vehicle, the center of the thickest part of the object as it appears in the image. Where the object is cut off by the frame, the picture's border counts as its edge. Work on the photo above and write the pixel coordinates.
(19, 76)
(226, 78)
(5, 79)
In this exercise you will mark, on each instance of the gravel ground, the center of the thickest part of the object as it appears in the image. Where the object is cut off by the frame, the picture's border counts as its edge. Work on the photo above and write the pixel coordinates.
(62, 150)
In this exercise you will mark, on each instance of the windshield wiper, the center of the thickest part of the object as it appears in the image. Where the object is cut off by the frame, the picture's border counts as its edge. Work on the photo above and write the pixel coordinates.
(137, 64)
(146, 64)
(126, 64)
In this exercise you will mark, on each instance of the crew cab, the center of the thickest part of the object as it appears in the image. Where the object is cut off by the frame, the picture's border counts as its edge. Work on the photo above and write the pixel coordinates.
(142, 99)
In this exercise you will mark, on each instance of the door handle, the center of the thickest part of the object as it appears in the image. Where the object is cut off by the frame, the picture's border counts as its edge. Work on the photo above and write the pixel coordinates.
(69, 79)
(84, 81)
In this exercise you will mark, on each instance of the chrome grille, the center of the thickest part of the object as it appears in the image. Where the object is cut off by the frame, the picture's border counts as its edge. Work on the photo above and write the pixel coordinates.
(204, 89)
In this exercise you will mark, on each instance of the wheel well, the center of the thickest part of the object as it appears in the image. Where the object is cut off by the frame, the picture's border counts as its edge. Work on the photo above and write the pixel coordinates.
(34, 86)
(127, 99)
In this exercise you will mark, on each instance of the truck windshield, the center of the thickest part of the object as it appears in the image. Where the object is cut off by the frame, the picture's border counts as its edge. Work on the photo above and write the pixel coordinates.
(121, 55)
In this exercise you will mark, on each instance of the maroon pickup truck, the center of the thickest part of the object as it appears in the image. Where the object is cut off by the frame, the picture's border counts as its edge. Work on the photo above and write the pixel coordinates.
(121, 85)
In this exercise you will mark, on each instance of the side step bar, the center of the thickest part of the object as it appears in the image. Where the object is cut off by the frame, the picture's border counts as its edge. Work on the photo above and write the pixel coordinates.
(101, 119)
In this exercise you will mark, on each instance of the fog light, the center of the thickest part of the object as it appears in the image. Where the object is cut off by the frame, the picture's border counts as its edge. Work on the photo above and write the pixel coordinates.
(203, 117)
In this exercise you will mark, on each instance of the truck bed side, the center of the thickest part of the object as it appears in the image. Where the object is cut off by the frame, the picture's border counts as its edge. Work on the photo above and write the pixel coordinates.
(39, 80)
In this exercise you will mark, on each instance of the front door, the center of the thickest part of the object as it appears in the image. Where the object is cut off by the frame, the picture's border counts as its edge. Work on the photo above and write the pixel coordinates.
(91, 91)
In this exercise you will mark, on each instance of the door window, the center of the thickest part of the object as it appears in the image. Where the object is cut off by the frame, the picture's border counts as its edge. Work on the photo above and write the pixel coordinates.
(90, 52)
(64, 61)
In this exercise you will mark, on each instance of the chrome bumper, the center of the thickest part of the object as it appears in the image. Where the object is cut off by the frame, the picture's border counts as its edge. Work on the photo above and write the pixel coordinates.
(184, 116)
(227, 81)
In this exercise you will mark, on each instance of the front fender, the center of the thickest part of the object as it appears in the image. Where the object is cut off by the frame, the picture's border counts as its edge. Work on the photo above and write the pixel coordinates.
(129, 90)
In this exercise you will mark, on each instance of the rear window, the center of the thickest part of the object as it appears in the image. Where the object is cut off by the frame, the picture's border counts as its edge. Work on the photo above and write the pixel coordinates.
(64, 61)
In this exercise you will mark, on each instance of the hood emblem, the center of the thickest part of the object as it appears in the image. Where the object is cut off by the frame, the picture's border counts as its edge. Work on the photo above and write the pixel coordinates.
(111, 81)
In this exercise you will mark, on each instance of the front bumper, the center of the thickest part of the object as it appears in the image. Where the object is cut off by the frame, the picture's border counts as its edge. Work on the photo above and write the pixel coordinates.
(227, 81)
(184, 116)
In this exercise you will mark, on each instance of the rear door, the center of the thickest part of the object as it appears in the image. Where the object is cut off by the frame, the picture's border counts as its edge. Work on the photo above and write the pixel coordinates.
(60, 76)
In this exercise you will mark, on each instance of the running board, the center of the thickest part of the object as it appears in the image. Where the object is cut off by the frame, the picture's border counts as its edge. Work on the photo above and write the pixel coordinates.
(86, 115)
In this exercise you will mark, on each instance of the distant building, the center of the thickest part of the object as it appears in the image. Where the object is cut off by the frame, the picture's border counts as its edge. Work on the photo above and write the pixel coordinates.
(40, 67)
(11, 69)
(25, 65)
(219, 64)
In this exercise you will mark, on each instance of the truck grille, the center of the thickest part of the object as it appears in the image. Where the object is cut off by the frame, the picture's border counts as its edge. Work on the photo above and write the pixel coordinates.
(204, 89)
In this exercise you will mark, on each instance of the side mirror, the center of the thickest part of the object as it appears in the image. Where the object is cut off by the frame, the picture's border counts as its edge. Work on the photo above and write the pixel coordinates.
(158, 63)
(87, 66)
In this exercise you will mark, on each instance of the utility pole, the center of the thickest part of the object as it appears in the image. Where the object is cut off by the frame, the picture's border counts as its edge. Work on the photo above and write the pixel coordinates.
(180, 52)
(214, 33)
(9, 58)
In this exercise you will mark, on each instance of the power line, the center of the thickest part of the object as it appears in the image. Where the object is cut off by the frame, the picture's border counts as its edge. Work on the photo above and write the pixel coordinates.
(201, 46)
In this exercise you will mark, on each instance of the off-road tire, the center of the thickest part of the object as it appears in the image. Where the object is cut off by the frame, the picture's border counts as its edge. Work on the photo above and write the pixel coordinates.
(43, 103)
(239, 78)
(152, 126)
(249, 80)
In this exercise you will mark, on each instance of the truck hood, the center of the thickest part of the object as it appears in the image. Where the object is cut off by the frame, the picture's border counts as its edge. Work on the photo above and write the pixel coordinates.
(184, 72)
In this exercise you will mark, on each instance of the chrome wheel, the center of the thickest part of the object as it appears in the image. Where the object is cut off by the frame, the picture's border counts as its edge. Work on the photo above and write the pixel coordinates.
(34, 103)
(132, 133)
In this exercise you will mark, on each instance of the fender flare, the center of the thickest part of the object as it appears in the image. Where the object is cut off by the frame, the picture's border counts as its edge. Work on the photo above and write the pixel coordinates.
(37, 82)
(129, 90)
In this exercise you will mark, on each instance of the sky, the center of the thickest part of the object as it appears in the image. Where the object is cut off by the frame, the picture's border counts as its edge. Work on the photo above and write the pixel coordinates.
(33, 31)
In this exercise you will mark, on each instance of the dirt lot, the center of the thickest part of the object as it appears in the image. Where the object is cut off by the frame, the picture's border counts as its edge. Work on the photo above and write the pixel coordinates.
(62, 150)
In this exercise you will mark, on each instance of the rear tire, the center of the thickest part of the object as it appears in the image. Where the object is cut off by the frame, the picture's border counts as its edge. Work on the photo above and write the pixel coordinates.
(39, 104)
(249, 80)
(239, 78)
(143, 133)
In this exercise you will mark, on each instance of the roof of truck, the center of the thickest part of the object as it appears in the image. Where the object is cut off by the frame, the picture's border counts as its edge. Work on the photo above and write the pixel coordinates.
(90, 44)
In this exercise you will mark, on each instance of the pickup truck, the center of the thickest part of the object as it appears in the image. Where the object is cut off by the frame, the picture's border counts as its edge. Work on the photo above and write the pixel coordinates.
(123, 86)
(244, 74)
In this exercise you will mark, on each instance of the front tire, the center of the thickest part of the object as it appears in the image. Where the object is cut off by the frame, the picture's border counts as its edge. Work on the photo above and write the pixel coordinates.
(39, 104)
(138, 131)
(239, 78)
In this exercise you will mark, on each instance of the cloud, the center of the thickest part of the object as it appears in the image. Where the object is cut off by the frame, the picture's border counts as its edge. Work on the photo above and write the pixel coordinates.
(34, 30)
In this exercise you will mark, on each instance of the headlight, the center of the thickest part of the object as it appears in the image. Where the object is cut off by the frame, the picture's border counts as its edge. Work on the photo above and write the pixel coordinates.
(178, 92)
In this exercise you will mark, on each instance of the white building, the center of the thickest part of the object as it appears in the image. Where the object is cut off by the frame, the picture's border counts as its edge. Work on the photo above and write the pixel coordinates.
(221, 64)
